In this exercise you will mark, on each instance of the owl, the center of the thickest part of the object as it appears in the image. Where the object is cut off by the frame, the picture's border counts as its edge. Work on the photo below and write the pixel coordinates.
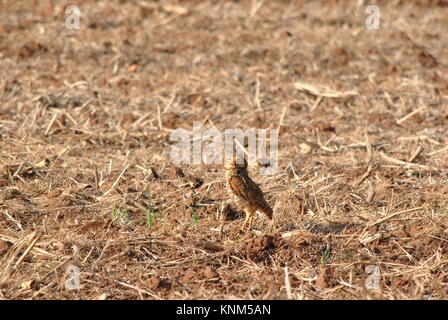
(245, 192)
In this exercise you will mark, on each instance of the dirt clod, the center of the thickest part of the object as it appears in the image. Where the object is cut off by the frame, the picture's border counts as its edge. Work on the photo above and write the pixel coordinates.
(153, 283)
(190, 275)
(210, 273)
(323, 278)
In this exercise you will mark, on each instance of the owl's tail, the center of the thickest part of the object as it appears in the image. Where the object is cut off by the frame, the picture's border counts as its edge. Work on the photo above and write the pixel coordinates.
(267, 211)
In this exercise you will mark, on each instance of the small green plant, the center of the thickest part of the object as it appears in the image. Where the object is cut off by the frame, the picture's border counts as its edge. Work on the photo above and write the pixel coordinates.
(120, 216)
(150, 213)
(195, 218)
(326, 255)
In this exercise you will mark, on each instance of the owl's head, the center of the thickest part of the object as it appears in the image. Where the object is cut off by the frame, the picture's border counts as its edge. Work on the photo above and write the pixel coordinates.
(235, 163)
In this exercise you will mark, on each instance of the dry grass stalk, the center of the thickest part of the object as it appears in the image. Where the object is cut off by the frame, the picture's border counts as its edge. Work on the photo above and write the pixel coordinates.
(445, 149)
(287, 284)
(363, 177)
(140, 291)
(9, 264)
(406, 164)
(409, 115)
(322, 91)
(394, 215)
(116, 180)
(415, 154)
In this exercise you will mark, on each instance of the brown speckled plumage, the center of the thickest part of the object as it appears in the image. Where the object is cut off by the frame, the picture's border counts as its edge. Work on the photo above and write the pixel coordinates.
(245, 192)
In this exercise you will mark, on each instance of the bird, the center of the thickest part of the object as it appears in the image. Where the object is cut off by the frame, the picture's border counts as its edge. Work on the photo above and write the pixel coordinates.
(245, 192)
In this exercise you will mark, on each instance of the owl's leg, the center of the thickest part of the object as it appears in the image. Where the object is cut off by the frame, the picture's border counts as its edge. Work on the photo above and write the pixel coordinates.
(251, 218)
(248, 215)
(245, 221)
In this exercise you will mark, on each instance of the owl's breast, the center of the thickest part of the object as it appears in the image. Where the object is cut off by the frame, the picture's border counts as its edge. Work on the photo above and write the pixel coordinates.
(238, 200)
